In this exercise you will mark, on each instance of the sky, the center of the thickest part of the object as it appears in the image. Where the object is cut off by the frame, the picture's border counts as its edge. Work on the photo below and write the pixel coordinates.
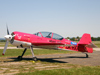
(69, 18)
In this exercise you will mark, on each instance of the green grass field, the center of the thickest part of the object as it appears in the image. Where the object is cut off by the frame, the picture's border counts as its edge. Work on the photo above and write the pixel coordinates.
(2, 44)
(16, 52)
(72, 71)
(97, 43)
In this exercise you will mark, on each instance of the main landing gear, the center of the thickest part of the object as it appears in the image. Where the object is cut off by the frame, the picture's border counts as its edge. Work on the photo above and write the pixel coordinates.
(20, 57)
(34, 58)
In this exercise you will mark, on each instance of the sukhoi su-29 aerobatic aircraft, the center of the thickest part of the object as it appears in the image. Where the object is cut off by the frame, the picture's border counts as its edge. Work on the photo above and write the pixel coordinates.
(47, 40)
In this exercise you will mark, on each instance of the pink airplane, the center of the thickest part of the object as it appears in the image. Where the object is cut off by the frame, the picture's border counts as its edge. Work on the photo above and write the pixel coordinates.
(47, 40)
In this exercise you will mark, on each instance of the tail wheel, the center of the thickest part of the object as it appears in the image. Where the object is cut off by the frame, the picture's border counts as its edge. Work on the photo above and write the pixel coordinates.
(87, 55)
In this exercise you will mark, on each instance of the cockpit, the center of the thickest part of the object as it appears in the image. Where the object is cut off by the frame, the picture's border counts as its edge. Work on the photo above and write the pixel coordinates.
(49, 35)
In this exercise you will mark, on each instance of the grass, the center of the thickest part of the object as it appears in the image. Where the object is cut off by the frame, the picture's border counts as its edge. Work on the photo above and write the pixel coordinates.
(28, 68)
(73, 71)
(16, 52)
(97, 43)
(2, 44)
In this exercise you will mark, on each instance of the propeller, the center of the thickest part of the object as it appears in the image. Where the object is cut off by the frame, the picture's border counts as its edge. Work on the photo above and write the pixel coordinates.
(5, 47)
(7, 30)
(8, 37)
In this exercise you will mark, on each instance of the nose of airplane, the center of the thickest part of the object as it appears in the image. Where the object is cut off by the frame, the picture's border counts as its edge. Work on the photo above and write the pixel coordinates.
(8, 37)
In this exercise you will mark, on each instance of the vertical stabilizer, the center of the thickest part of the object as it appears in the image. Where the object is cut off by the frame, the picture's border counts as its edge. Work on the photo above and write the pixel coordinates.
(84, 44)
(86, 39)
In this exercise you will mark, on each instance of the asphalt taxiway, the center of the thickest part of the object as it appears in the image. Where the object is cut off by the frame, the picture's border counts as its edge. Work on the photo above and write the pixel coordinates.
(77, 58)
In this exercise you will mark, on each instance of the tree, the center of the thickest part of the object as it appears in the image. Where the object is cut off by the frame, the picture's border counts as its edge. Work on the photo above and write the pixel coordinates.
(68, 38)
(73, 39)
(2, 40)
(93, 39)
(77, 38)
(98, 38)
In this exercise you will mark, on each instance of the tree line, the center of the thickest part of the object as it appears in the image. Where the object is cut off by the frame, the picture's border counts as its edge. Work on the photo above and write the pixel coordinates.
(78, 38)
(2, 40)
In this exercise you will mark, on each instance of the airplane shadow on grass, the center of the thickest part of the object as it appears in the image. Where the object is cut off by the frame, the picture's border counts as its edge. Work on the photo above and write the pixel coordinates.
(51, 60)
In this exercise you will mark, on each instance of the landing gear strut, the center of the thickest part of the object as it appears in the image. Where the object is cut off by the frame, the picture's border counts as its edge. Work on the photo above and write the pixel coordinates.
(20, 57)
(34, 58)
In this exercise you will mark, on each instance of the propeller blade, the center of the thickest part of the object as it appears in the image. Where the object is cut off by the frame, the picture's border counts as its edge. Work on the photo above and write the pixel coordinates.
(5, 47)
(7, 31)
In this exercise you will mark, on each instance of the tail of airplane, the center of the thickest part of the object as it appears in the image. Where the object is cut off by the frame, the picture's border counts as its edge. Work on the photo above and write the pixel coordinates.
(84, 44)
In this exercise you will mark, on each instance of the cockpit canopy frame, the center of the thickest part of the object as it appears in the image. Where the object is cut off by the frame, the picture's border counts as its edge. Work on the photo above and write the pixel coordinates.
(49, 35)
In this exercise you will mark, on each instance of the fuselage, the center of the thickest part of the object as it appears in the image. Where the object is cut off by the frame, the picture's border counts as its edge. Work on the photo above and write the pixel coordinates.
(47, 40)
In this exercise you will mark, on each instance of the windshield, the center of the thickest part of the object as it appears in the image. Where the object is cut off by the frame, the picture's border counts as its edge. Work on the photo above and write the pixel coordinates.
(38, 34)
(56, 36)
(46, 34)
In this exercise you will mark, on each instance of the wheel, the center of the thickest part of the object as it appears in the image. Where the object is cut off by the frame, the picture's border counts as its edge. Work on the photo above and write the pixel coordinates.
(87, 56)
(34, 59)
(19, 57)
